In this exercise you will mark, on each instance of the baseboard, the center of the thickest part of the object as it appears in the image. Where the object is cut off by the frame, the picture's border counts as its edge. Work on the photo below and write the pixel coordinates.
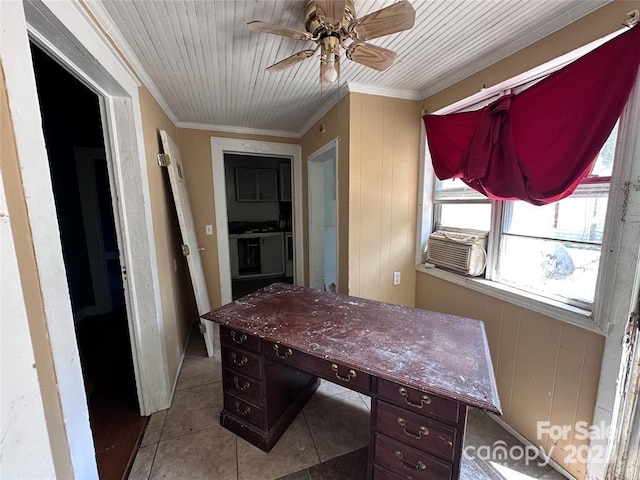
(556, 466)
(184, 354)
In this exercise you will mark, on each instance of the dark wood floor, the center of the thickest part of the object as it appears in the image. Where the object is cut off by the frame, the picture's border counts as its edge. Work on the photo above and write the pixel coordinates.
(114, 414)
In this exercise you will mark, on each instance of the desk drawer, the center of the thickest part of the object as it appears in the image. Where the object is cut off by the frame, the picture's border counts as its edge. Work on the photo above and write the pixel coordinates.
(245, 411)
(242, 387)
(243, 340)
(419, 402)
(416, 430)
(242, 362)
(332, 371)
(380, 473)
(408, 461)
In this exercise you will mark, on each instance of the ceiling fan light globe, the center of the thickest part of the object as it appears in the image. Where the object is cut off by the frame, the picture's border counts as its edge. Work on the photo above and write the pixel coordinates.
(330, 74)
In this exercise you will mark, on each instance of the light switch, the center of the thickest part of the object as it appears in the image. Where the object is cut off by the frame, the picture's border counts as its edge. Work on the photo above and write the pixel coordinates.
(209, 229)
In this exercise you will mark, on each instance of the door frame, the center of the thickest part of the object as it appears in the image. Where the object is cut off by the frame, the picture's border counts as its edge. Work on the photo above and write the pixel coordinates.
(222, 145)
(312, 160)
(65, 31)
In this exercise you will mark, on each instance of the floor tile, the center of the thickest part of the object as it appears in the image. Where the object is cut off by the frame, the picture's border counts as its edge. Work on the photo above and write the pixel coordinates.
(328, 389)
(154, 428)
(199, 370)
(193, 409)
(483, 431)
(470, 470)
(366, 399)
(301, 475)
(352, 466)
(339, 424)
(142, 464)
(551, 475)
(203, 455)
(293, 452)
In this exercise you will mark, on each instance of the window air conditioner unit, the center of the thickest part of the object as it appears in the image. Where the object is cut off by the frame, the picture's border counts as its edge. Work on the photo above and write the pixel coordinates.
(462, 252)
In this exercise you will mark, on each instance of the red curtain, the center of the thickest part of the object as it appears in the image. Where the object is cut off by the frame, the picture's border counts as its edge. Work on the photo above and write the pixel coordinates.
(538, 145)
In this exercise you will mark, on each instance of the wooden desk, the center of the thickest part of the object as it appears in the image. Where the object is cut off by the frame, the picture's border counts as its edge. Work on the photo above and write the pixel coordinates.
(422, 370)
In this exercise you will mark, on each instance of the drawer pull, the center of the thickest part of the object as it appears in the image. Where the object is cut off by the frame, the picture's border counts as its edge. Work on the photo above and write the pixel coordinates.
(350, 375)
(287, 353)
(240, 363)
(238, 340)
(241, 411)
(420, 465)
(242, 388)
(421, 431)
(425, 400)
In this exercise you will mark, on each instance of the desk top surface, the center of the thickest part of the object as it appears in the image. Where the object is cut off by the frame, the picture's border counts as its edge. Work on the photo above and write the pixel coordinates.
(434, 352)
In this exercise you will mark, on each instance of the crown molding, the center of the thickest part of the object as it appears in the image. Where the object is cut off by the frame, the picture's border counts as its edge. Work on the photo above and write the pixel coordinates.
(239, 130)
(121, 47)
(355, 87)
(557, 23)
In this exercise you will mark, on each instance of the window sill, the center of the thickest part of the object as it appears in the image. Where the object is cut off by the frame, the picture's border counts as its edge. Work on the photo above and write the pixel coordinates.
(557, 310)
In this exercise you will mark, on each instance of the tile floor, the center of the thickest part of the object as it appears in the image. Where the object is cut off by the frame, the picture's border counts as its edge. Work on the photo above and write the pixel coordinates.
(327, 441)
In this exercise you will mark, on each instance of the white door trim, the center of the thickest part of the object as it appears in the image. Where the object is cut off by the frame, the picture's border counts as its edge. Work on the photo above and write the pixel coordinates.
(65, 31)
(317, 157)
(220, 146)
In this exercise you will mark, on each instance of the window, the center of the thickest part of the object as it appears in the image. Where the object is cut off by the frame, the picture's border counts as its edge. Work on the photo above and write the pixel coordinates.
(552, 251)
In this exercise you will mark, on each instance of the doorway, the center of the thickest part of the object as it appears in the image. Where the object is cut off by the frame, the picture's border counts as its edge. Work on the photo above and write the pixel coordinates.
(224, 187)
(259, 208)
(80, 177)
(323, 219)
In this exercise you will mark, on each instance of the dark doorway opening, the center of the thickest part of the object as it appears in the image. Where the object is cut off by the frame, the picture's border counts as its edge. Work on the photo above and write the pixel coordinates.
(72, 126)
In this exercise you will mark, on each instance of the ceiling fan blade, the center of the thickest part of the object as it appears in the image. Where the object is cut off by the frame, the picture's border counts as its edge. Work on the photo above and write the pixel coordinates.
(371, 56)
(324, 66)
(330, 12)
(392, 19)
(289, 61)
(264, 27)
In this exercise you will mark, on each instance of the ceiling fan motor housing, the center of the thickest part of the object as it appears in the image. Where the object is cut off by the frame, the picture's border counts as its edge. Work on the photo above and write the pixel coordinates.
(313, 25)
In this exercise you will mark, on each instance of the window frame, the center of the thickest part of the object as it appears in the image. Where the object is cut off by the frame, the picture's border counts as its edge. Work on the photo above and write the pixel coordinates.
(590, 319)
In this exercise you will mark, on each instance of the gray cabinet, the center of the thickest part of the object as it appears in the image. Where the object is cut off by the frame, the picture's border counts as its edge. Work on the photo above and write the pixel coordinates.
(256, 185)
(272, 255)
(285, 181)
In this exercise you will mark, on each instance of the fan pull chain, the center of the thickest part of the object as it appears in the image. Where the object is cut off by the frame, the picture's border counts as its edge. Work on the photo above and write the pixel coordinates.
(321, 127)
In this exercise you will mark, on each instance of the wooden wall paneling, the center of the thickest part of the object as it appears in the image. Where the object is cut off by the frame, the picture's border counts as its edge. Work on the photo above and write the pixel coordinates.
(355, 191)
(536, 364)
(370, 205)
(573, 343)
(493, 327)
(509, 336)
(387, 206)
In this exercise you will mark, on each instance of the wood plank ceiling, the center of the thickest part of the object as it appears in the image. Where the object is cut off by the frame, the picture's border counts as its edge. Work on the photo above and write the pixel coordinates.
(206, 67)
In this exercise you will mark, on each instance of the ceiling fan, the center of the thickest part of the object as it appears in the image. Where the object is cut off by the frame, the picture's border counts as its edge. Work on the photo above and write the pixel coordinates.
(332, 24)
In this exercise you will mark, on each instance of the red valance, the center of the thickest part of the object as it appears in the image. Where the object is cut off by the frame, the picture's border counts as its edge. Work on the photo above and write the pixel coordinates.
(538, 145)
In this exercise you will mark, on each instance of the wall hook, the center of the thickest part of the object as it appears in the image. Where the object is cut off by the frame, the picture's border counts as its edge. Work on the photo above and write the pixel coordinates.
(634, 20)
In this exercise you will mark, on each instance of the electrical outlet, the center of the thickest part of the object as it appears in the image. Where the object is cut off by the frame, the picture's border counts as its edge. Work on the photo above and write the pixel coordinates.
(396, 278)
(209, 229)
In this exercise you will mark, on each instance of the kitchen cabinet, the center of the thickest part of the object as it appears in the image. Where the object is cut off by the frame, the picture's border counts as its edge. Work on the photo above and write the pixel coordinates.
(256, 254)
(256, 185)
(285, 181)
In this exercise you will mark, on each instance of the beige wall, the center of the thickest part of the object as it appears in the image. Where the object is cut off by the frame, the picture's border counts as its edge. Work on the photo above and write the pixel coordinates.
(336, 122)
(589, 28)
(546, 369)
(48, 395)
(383, 185)
(178, 303)
(195, 149)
